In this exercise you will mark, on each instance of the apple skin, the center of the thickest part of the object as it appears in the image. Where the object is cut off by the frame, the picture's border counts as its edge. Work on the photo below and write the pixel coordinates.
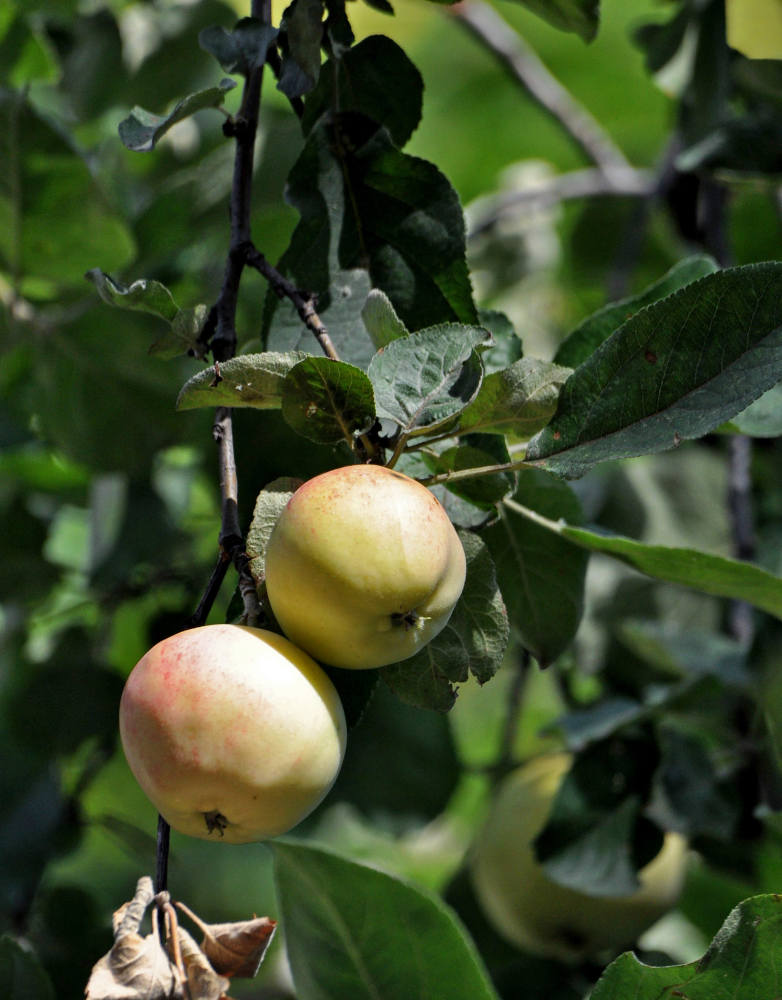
(540, 916)
(233, 733)
(754, 27)
(363, 567)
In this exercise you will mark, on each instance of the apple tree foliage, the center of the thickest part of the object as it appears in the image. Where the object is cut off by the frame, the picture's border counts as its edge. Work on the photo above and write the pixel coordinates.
(567, 323)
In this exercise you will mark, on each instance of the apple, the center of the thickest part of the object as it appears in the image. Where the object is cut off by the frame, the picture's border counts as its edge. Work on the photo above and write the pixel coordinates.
(233, 733)
(540, 916)
(363, 567)
(754, 27)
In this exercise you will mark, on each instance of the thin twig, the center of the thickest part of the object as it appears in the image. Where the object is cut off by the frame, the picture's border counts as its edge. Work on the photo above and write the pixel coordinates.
(456, 475)
(201, 613)
(231, 538)
(591, 182)
(243, 127)
(223, 346)
(527, 69)
(161, 862)
(303, 304)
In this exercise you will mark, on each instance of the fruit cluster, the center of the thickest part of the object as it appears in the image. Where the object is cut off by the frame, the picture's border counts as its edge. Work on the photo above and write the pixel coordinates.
(237, 732)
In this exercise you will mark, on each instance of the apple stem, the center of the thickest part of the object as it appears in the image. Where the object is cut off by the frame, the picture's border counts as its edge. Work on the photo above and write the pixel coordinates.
(161, 869)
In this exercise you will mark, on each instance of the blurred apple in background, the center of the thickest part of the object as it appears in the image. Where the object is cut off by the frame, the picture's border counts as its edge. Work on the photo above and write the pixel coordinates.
(543, 917)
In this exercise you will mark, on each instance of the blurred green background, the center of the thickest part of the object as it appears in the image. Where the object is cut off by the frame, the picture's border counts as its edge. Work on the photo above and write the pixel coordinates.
(109, 497)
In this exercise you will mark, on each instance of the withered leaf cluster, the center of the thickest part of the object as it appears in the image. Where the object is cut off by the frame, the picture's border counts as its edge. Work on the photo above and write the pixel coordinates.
(171, 965)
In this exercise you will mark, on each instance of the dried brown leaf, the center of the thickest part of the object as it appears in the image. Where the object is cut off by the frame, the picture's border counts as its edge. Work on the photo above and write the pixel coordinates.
(136, 967)
(235, 949)
(203, 981)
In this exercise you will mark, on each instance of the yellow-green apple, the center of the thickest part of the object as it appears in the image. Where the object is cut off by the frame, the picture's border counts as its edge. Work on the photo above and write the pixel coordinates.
(363, 567)
(754, 27)
(234, 733)
(540, 916)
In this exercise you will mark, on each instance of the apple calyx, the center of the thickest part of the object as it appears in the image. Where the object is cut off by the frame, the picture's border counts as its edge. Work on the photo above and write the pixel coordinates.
(215, 820)
(409, 620)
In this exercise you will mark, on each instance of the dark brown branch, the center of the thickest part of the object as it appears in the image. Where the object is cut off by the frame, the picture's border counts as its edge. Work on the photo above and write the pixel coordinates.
(222, 319)
(526, 69)
(231, 539)
(243, 127)
(303, 304)
(201, 613)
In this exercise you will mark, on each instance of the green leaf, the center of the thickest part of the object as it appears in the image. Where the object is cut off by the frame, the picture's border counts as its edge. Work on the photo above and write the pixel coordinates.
(119, 408)
(463, 513)
(541, 578)
(269, 504)
(708, 573)
(473, 641)
(423, 380)
(185, 325)
(580, 16)
(146, 296)
(689, 652)
(408, 792)
(370, 216)
(22, 976)
(301, 35)
(26, 53)
(375, 78)
(247, 380)
(355, 932)
(761, 419)
(327, 401)
(142, 130)
(741, 963)
(675, 370)
(690, 797)
(517, 401)
(338, 30)
(476, 451)
(589, 335)
(660, 42)
(241, 50)
(382, 323)
(43, 175)
(588, 725)
(183, 337)
(506, 347)
(595, 839)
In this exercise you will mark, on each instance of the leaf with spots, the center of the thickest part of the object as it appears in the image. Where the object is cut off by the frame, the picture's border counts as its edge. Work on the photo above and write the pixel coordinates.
(591, 333)
(254, 380)
(675, 370)
(328, 401)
